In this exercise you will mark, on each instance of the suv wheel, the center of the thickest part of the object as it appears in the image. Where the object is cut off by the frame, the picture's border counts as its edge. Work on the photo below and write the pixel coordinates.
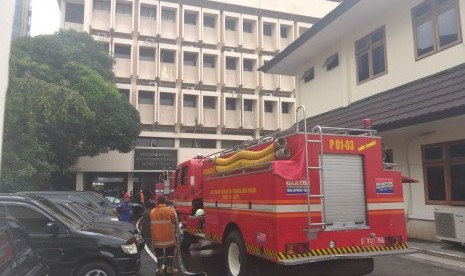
(96, 269)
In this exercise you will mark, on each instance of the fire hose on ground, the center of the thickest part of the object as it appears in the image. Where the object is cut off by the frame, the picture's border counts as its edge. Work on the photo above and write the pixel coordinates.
(177, 252)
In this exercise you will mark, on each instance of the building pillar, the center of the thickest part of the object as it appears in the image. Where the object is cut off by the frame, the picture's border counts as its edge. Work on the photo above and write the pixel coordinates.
(79, 181)
(130, 181)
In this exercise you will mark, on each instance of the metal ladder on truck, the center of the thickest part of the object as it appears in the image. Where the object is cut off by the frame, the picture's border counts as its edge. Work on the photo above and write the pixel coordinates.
(313, 227)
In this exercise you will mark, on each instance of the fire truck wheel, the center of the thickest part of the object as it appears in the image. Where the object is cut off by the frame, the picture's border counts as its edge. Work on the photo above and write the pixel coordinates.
(187, 240)
(235, 255)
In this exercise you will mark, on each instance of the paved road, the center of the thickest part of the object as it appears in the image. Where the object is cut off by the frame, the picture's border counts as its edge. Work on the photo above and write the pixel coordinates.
(212, 262)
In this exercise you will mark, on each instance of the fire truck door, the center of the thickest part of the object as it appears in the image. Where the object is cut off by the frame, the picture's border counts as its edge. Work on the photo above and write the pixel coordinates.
(344, 190)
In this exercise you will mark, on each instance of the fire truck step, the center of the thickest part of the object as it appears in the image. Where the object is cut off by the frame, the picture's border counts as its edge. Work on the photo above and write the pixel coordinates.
(314, 141)
(316, 196)
(315, 168)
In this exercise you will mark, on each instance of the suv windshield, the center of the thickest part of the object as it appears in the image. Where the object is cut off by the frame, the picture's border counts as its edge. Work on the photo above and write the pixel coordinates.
(100, 200)
(67, 218)
(76, 208)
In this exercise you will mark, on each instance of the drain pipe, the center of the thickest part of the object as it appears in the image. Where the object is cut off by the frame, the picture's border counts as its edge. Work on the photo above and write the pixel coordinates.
(407, 160)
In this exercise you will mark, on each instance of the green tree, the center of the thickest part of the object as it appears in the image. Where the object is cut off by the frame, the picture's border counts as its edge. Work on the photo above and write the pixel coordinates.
(61, 104)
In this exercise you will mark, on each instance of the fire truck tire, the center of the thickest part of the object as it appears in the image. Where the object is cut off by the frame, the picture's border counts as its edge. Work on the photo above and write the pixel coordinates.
(187, 240)
(235, 255)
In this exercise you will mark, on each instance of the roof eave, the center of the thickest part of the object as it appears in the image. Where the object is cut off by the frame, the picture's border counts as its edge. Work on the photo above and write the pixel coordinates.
(308, 35)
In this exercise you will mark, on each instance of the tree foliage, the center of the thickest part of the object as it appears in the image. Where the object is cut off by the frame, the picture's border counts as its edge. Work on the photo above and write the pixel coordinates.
(61, 104)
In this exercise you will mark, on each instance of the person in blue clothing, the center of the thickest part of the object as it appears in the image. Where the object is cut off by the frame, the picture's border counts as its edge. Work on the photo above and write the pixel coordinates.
(123, 210)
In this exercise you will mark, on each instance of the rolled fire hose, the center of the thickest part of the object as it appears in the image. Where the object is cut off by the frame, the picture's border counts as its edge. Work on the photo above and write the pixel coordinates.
(245, 154)
(245, 163)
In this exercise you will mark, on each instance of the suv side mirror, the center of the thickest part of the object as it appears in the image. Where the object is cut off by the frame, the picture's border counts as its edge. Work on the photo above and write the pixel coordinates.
(53, 228)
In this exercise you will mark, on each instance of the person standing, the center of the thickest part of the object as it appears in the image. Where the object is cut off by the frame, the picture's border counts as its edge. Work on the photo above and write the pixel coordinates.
(123, 210)
(162, 219)
(142, 199)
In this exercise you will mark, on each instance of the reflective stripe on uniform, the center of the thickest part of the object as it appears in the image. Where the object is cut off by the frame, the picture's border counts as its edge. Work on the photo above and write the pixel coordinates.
(161, 221)
(165, 243)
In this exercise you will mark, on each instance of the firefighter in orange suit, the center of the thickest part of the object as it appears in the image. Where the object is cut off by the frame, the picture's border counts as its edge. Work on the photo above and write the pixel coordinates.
(162, 219)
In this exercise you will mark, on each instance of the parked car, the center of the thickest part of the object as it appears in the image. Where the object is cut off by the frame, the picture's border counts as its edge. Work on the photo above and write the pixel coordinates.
(69, 247)
(80, 214)
(74, 196)
(94, 214)
(17, 255)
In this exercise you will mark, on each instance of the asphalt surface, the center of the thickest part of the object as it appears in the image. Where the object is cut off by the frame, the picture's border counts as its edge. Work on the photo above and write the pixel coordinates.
(212, 262)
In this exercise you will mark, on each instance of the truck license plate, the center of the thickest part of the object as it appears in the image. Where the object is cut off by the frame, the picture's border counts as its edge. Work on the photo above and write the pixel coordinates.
(376, 241)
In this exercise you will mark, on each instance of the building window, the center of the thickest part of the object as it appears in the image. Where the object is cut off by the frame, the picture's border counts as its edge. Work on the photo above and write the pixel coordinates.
(162, 143)
(247, 27)
(370, 54)
(444, 173)
(308, 75)
(331, 62)
(190, 59)
(230, 63)
(248, 65)
(123, 51)
(124, 93)
(167, 99)
(208, 61)
(230, 104)
(284, 31)
(148, 142)
(248, 105)
(149, 12)
(145, 97)
(436, 26)
(124, 8)
(229, 144)
(209, 21)
(302, 30)
(230, 24)
(388, 156)
(267, 29)
(197, 143)
(147, 54)
(168, 15)
(285, 108)
(190, 101)
(209, 102)
(102, 5)
(190, 18)
(268, 107)
(74, 13)
(143, 142)
(167, 56)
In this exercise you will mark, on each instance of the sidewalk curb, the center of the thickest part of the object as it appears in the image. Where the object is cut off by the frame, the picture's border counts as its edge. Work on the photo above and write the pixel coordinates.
(439, 254)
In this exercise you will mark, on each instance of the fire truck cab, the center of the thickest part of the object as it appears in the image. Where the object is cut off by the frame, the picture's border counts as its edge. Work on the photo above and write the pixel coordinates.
(295, 197)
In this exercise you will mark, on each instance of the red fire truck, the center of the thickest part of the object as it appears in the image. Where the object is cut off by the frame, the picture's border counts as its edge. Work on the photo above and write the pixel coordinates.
(295, 197)
(164, 186)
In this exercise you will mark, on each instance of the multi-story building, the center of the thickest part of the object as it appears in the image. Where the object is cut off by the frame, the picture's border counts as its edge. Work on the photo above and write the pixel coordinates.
(402, 64)
(190, 68)
(22, 18)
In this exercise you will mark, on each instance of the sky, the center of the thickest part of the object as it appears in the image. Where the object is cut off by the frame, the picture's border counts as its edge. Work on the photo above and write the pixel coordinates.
(45, 18)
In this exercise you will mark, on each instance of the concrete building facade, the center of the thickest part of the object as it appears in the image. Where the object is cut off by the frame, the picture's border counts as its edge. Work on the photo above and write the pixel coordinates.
(190, 69)
(22, 18)
(402, 64)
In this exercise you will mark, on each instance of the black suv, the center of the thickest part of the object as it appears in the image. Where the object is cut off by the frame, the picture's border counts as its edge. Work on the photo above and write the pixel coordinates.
(69, 247)
(17, 256)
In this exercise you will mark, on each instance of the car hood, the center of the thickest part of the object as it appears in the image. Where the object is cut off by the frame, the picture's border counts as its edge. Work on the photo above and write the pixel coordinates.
(110, 230)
